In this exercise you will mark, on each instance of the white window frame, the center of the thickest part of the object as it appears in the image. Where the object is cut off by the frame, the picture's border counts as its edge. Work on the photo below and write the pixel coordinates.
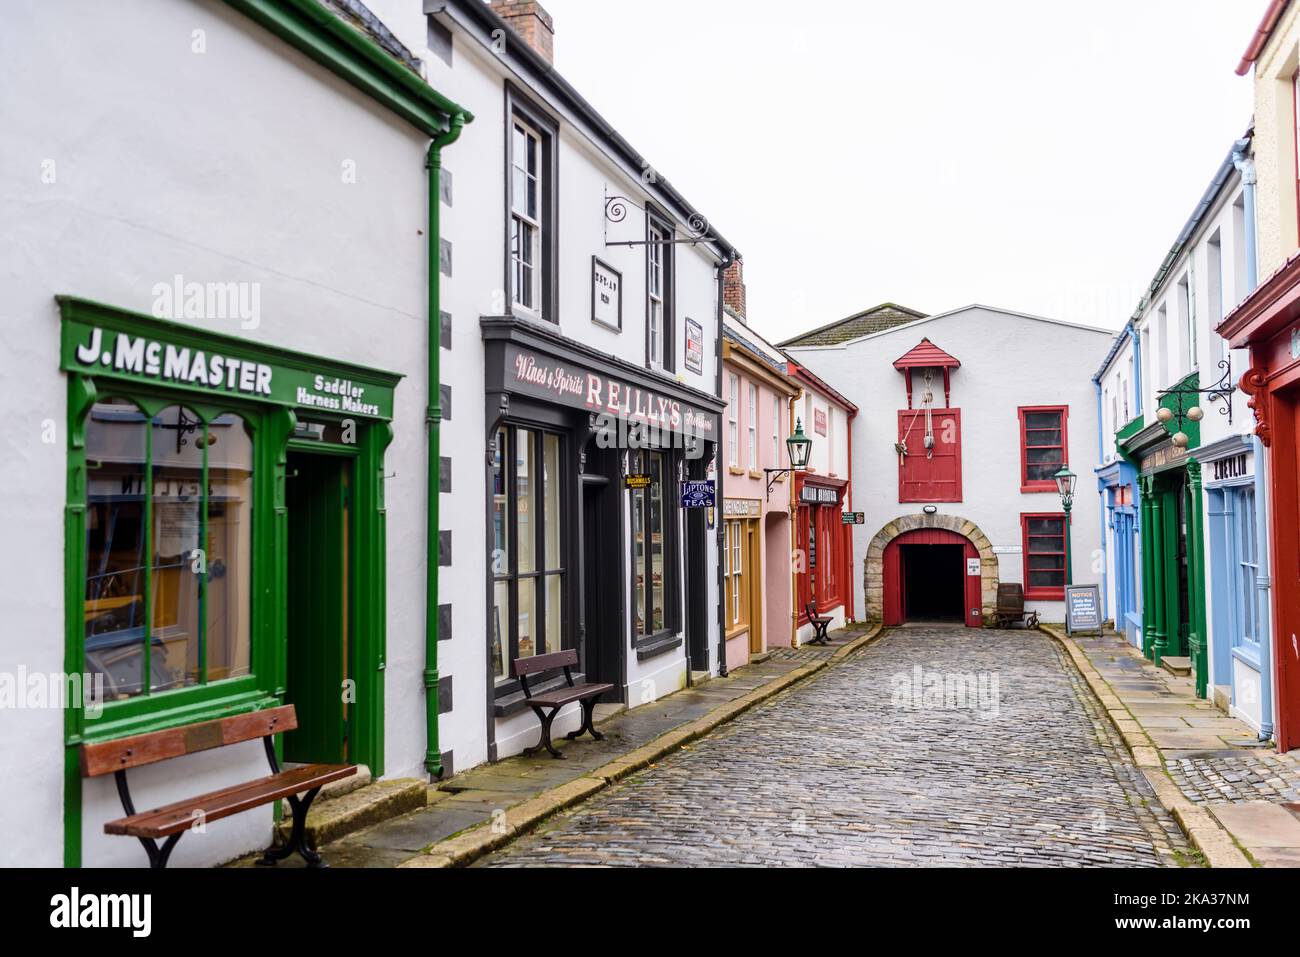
(655, 294)
(753, 427)
(521, 220)
(733, 425)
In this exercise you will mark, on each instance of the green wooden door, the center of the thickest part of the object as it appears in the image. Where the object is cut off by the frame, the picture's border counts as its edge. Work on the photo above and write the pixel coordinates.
(317, 496)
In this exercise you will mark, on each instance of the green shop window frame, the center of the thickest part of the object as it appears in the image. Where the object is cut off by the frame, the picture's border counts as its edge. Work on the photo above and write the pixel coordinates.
(271, 419)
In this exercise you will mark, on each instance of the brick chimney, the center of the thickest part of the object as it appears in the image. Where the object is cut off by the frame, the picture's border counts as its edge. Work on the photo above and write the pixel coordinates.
(733, 287)
(533, 24)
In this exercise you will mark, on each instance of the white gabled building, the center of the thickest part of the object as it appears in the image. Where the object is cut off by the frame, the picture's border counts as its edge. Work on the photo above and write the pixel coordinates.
(963, 420)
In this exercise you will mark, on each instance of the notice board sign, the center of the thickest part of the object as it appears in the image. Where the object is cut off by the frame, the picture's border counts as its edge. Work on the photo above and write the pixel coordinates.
(1083, 609)
(638, 482)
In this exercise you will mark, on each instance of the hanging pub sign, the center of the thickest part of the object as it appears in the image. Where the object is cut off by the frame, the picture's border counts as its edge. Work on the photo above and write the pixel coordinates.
(1082, 609)
(855, 518)
(113, 344)
(638, 482)
(699, 494)
(606, 295)
(694, 346)
(548, 378)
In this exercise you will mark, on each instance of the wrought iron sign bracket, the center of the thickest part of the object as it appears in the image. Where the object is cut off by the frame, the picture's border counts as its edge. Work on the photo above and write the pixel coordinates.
(1186, 396)
(616, 212)
(773, 475)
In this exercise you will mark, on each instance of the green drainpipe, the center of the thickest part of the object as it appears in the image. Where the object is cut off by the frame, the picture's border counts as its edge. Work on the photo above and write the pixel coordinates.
(433, 422)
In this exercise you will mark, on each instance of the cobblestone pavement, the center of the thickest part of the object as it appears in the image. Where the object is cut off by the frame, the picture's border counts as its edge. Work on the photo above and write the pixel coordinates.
(1015, 765)
(1238, 778)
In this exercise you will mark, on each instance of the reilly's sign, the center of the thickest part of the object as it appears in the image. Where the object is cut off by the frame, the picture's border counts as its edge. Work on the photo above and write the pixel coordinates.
(159, 353)
(579, 387)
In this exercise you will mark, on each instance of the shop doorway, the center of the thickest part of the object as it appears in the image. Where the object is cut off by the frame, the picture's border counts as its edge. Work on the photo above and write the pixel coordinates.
(602, 574)
(932, 575)
(933, 582)
(318, 493)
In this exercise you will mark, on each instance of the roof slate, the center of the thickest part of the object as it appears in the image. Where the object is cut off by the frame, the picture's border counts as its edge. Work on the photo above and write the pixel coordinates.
(877, 319)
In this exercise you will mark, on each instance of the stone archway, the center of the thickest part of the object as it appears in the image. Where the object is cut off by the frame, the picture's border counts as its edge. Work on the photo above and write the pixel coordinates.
(873, 576)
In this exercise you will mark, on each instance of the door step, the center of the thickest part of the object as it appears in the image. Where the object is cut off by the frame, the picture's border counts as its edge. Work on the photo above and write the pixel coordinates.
(700, 677)
(1180, 667)
(1223, 698)
(759, 658)
(344, 813)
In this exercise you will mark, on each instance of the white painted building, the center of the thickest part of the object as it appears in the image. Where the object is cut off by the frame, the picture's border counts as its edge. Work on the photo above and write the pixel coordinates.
(183, 498)
(963, 419)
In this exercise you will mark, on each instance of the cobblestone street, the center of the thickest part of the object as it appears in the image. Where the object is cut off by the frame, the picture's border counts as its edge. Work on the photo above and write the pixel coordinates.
(869, 763)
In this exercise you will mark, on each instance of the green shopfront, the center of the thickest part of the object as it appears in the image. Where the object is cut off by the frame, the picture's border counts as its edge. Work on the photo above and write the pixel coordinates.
(1173, 545)
(224, 538)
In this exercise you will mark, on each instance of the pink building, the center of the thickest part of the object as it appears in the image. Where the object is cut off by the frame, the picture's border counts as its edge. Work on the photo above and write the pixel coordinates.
(755, 513)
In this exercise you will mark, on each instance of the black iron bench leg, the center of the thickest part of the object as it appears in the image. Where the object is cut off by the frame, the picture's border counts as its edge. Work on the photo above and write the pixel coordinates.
(546, 720)
(297, 836)
(588, 710)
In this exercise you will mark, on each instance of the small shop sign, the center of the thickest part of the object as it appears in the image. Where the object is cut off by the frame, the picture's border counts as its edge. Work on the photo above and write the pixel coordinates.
(638, 482)
(819, 421)
(140, 350)
(694, 346)
(606, 295)
(1082, 609)
(816, 495)
(973, 568)
(699, 494)
(855, 518)
(742, 508)
(1233, 467)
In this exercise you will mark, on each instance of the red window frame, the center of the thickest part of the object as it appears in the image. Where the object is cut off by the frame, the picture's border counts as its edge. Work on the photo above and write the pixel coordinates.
(1041, 485)
(1042, 592)
(832, 549)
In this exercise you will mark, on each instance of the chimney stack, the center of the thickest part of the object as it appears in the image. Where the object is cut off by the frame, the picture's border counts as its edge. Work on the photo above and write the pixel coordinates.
(531, 21)
(733, 288)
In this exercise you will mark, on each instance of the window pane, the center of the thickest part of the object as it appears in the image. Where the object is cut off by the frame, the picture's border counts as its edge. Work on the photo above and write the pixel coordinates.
(525, 469)
(230, 547)
(1042, 473)
(554, 608)
(1042, 420)
(1047, 526)
(500, 509)
(551, 514)
(519, 188)
(657, 599)
(500, 624)
(177, 440)
(527, 620)
(638, 560)
(1044, 456)
(116, 453)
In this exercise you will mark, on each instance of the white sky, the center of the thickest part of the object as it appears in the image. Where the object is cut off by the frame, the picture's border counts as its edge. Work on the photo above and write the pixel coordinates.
(1029, 154)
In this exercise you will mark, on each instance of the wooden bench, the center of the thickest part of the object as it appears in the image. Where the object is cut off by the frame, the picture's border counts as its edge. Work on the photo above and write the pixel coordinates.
(820, 624)
(1011, 608)
(170, 822)
(548, 704)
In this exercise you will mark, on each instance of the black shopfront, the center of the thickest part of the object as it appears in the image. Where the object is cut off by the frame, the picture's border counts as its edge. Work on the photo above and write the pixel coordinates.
(588, 546)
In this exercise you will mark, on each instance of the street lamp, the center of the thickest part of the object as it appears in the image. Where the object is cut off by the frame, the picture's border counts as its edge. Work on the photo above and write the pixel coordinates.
(1065, 482)
(798, 447)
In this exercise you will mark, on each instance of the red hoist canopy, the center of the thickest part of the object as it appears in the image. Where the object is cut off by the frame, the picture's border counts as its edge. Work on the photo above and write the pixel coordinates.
(928, 356)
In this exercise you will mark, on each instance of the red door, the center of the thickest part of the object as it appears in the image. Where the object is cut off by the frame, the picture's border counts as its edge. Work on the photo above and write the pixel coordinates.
(1286, 564)
(895, 611)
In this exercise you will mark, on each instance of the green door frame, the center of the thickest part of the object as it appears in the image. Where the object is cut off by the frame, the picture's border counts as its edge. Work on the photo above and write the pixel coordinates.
(272, 422)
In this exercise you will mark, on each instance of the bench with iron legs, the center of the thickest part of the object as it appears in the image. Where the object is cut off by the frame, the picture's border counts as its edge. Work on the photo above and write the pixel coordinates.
(548, 704)
(170, 822)
(1010, 608)
(820, 624)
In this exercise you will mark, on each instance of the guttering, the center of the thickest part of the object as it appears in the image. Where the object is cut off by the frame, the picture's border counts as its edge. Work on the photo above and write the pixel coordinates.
(545, 74)
(1263, 33)
(433, 427)
(318, 32)
(1115, 348)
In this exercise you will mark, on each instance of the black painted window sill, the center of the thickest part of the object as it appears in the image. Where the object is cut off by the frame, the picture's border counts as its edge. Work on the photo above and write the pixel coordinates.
(657, 645)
